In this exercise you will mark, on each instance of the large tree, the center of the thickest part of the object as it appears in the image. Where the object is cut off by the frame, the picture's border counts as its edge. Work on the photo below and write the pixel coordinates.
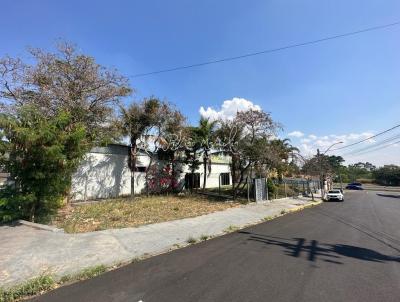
(287, 154)
(136, 121)
(318, 165)
(67, 81)
(247, 140)
(41, 155)
(71, 100)
(165, 136)
(192, 150)
(388, 175)
(204, 136)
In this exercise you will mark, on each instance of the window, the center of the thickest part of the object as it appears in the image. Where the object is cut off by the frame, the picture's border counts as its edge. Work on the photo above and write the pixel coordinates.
(164, 155)
(140, 169)
(192, 181)
(225, 179)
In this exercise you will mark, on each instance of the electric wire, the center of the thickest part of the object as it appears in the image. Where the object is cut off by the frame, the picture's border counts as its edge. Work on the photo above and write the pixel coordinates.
(267, 51)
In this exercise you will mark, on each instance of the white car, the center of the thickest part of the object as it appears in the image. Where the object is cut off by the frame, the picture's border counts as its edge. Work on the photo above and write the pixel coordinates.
(335, 194)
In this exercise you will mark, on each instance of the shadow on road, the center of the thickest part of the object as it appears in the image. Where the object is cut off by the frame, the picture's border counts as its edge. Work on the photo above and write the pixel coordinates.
(332, 253)
(380, 236)
(388, 195)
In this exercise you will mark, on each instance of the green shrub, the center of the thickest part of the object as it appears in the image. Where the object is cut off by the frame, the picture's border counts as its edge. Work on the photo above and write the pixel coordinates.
(41, 154)
(271, 188)
(87, 273)
(30, 288)
(191, 240)
(231, 228)
(45, 283)
(204, 237)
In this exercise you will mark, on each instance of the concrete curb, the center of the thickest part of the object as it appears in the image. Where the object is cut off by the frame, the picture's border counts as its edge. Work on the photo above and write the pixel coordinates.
(116, 247)
(39, 226)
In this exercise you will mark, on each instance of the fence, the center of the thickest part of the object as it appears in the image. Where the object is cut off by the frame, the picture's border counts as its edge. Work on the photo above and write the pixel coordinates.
(293, 187)
(287, 187)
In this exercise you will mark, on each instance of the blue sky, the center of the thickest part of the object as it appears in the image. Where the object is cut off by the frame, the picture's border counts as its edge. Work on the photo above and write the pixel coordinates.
(344, 88)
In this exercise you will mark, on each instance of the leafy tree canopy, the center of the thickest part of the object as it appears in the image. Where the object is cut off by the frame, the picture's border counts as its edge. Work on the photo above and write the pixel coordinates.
(41, 156)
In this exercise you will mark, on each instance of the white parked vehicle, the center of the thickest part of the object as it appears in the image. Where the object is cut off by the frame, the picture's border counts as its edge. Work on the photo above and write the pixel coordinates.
(335, 194)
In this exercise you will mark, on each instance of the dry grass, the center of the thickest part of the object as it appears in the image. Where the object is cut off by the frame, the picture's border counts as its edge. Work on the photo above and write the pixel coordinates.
(123, 213)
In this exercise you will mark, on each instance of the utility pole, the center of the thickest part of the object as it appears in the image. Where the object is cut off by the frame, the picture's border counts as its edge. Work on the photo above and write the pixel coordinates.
(321, 181)
(320, 167)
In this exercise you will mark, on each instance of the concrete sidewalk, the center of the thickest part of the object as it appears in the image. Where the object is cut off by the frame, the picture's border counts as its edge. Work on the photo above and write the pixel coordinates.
(26, 252)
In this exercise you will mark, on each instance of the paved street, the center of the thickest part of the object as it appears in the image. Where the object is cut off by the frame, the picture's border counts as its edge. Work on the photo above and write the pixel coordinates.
(333, 252)
(27, 252)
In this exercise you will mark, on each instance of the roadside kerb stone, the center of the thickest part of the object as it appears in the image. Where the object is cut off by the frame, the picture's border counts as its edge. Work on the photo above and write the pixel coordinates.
(26, 252)
(40, 226)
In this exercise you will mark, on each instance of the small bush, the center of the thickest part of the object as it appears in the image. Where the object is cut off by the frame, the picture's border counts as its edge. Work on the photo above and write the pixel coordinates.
(87, 273)
(191, 240)
(231, 228)
(30, 288)
(283, 212)
(243, 201)
(204, 237)
(45, 283)
(271, 188)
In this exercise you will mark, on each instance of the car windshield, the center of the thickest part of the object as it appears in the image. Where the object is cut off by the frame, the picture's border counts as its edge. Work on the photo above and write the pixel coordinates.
(334, 191)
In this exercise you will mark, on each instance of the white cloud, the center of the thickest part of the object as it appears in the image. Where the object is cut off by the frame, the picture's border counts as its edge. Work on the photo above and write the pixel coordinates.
(296, 134)
(228, 109)
(308, 146)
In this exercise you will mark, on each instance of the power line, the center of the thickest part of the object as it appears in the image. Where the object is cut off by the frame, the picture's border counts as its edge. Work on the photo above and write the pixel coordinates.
(373, 146)
(377, 149)
(379, 27)
(376, 144)
(366, 139)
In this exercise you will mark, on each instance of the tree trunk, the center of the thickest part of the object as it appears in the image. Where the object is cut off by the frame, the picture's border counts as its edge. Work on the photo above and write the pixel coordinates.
(205, 161)
(132, 164)
(147, 175)
(173, 182)
(242, 171)
(32, 213)
(233, 171)
(191, 180)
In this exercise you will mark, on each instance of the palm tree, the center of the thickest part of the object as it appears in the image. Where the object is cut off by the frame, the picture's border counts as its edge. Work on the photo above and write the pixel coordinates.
(285, 150)
(135, 121)
(204, 134)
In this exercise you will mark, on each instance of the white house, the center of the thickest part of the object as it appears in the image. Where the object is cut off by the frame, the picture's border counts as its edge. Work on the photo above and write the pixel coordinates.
(104, 173)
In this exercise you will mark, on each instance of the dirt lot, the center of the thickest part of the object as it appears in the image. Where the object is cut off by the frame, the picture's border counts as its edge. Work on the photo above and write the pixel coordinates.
(123, 213)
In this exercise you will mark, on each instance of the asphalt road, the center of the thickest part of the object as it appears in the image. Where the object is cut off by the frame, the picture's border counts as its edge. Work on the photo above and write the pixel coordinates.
(333, 252)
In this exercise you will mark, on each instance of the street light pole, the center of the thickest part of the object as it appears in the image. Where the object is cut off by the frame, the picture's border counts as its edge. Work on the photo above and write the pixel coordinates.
(320, 167)
(321, 181)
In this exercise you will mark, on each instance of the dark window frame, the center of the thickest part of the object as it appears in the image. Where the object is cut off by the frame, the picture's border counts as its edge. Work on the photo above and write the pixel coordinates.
(225, 179)
(192, 181)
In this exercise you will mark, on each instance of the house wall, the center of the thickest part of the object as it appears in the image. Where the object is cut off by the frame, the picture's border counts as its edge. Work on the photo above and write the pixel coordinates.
(213, 177)
(104, 173)
(101, 176)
